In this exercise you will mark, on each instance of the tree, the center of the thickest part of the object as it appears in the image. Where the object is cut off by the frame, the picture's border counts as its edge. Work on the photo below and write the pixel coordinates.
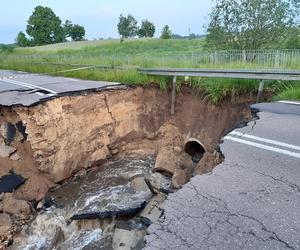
(77, 33)
(7, 48)
(74, 31)
(192, 36)
(166, 33)
(67, 27)
(127, 27)
(44, 26)
(147, 29)
(293, 41)
(250, 24)
(22, 40)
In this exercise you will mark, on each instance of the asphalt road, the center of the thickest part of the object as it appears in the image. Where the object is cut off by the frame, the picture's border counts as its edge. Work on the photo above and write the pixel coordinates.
(251, 200)
(21, 88)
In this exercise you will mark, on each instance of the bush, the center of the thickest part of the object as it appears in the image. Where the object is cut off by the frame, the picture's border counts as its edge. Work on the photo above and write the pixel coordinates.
(7, 48)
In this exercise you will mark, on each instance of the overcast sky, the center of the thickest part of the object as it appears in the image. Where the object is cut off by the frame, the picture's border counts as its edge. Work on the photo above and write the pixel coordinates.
(100, 17)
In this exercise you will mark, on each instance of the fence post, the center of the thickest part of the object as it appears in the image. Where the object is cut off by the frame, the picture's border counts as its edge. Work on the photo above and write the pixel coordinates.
(193, 63)
(216, 57)
(173, 95)
(244, 56)
(260, 90)
(277, 58)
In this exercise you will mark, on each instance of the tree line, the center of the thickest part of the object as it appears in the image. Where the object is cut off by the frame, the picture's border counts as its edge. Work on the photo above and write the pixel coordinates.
(233, 25)
(128, 27)
(45, 27)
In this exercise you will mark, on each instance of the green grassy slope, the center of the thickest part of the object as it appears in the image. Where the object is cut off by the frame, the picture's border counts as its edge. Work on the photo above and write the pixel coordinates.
(128, 47)
(129, 55)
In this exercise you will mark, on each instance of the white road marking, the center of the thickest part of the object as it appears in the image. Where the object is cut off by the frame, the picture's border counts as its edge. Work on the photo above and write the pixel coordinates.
(278, 143)
(18, 83)
(72, 79)
(262, 146)
(15, 77)
(290, 102)
(30, 86)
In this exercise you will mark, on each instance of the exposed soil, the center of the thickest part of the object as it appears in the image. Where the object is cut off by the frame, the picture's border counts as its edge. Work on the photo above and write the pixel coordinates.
(51, 142)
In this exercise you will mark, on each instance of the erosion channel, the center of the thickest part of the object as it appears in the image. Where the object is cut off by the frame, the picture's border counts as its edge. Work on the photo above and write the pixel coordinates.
(91, 170)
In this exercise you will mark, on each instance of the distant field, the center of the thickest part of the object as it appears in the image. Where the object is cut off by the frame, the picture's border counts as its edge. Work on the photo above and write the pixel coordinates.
(123, 59)
(151, 46)
(69, 45)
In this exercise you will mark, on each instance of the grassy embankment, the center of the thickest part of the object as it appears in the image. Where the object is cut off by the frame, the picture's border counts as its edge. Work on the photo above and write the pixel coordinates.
(138, 53)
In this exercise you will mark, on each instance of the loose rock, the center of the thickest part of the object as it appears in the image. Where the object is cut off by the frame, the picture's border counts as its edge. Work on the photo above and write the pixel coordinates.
(19, 208)
(166, 160)
(139, 184)
(160, 183)
(153, 211)
(128, 239)
(6, 151)
(15, 156)
(35, 188)
(6, 228)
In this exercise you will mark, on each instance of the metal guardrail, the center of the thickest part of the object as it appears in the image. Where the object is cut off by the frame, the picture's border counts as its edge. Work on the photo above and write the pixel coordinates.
(262, 75)
(283, 75)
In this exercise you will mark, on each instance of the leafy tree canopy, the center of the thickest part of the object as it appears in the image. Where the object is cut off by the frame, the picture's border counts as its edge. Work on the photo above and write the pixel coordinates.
(22, 40)
(166, 32)
(127, 27)
(77, 33)
(74, 31)
(44, 26)
(147, 29)
(251, 24)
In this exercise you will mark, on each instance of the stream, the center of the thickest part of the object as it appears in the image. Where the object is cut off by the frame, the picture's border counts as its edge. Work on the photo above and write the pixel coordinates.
(100, 210)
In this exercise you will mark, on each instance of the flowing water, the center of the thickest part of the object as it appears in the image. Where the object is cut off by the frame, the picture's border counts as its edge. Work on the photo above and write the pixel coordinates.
(101, 192)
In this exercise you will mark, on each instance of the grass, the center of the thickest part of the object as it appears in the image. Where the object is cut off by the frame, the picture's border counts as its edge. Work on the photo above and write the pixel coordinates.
(128, 47)
(289, 93)
(130, 55)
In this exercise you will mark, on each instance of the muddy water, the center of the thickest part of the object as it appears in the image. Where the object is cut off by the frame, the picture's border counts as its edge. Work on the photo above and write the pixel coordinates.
(104, 191)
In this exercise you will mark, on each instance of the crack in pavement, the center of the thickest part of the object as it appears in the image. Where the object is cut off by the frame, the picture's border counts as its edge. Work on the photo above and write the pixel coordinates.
(274, 235)
(236, 224)
(281, 180)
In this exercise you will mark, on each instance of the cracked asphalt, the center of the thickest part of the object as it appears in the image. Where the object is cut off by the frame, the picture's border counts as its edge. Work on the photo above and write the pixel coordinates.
(21, 88)
(250, 201)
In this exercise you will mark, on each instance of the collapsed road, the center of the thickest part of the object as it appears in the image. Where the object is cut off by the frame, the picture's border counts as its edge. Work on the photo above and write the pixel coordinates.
(92, 163)
(251, 200)
(21, 88)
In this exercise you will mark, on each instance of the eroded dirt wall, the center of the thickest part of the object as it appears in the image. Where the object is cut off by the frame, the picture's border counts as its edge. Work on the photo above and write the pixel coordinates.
(71, 133)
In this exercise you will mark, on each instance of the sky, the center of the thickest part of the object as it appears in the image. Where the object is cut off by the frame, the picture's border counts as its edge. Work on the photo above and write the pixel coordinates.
(100, 17)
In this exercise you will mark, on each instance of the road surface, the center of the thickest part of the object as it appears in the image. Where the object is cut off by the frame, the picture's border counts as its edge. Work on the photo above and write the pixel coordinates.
(251, 200)
(21, 88)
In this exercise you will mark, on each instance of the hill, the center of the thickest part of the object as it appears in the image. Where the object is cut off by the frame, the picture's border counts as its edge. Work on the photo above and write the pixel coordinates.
(111, 60)
(128, 47)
